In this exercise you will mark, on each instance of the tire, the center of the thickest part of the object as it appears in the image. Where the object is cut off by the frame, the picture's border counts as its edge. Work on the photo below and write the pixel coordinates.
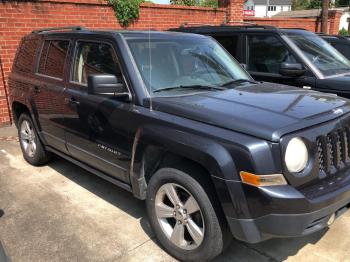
(211, 230)
(32, 148)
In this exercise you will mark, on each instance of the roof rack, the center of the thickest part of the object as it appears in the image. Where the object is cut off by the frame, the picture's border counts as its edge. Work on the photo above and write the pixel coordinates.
(246, 25)
(194, 24)
(72, 28)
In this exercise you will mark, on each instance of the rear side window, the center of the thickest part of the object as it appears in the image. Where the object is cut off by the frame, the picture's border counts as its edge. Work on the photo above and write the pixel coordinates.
(266, 53)
(94, 58)
(26, 56)
(230, 43)
(53, 57)
(344, 49)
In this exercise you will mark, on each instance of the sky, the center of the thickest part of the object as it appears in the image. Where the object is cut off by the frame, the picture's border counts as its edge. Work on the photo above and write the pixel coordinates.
(161, 1)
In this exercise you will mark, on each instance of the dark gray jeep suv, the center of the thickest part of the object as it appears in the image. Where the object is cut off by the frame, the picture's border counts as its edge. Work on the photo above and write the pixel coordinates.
(175, 120)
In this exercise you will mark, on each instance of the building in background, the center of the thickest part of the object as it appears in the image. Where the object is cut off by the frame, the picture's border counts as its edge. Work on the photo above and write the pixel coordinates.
(266, 8)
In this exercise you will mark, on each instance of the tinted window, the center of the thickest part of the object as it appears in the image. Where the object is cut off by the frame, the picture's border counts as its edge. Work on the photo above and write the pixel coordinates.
(94, 58)
(26, 56)
(266, 53)
(343, 49)
(53, 57)
(230, 43)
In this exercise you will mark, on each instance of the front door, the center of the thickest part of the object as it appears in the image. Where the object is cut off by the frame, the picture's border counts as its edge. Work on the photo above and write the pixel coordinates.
(48, 91)
(264, 55)
(96, 125)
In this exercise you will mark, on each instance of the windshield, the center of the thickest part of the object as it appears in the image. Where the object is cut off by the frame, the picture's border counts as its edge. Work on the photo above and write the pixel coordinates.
(321, 54)
(170, 64)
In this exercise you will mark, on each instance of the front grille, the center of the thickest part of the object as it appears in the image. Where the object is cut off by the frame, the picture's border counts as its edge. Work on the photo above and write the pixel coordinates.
(333, 151)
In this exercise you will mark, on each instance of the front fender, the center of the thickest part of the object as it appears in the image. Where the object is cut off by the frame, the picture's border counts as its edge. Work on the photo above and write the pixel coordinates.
(211, 155)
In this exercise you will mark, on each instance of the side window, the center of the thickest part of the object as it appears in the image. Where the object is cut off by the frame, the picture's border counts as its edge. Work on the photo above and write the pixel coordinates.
(230, 43)
(266, 53)
(26, 56)
(94, 58)
(343, 49)
(52, 58)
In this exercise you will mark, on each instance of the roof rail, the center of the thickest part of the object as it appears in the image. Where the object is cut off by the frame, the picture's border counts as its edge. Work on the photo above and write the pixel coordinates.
(247, 25)
(194, 24)
(295, 28)
(72, 28)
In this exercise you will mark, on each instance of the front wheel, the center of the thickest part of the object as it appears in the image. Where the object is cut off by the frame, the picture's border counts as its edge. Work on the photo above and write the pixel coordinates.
(183, 217)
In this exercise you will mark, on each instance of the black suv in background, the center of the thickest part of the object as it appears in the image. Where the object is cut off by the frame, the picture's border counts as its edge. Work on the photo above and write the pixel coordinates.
(341, 43)
(288, 56)
(175, 120)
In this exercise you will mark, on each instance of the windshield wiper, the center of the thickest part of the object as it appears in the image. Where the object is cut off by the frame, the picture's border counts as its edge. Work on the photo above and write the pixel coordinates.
(238, 81)
(188, 87)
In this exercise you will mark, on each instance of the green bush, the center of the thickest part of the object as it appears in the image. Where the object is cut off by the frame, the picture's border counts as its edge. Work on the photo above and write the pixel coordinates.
(126, 11)
(343, 31)
(205, 3)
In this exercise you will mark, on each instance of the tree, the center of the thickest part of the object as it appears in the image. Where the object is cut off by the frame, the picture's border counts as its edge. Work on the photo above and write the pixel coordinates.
(324, 23)
(316, 4)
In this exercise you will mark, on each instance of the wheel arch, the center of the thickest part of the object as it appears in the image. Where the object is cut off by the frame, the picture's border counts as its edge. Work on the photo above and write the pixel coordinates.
(18, 108)
(156, 147)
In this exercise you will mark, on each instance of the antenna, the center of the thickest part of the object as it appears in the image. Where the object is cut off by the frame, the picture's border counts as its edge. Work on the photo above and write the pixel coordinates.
(150, 62)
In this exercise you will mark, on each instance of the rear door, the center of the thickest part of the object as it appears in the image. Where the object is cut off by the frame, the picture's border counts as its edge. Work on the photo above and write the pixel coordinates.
(264, 54)
(96, 125)
(48, 95)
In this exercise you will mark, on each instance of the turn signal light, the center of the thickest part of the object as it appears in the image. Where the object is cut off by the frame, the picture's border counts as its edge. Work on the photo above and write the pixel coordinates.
(262, 180)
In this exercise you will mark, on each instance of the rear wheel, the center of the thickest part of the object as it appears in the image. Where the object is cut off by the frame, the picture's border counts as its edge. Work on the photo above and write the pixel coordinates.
(183, 217)
(32, 148)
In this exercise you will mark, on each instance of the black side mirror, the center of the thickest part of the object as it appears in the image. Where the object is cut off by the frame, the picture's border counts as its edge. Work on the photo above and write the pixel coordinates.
(107, 85)
(292, 69)
(1, 212)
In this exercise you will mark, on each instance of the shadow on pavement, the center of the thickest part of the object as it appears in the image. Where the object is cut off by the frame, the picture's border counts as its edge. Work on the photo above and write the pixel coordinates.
(271, 250)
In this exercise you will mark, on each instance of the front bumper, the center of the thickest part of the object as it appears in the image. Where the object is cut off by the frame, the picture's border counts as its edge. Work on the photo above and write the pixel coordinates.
(257, 214)
(285, 225)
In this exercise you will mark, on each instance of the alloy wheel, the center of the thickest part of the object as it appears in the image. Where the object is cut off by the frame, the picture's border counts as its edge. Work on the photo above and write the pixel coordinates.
(27, 138)
(179, 216)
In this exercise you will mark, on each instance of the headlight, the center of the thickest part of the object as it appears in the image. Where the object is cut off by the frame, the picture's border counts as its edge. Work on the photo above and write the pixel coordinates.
(296, 156)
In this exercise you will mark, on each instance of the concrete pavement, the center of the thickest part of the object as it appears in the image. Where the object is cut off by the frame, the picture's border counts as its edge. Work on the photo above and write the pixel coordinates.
(61, 212)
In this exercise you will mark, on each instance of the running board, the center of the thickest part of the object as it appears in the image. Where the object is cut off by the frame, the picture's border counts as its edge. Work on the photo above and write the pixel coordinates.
(91, 169)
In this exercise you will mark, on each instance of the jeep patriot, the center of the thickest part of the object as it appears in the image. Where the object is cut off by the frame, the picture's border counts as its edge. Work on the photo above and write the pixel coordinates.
(174, 119)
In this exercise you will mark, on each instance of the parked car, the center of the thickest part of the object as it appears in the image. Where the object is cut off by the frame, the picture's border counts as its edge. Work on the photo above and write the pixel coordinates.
(175, 120)
(288, 56)
(341, 43)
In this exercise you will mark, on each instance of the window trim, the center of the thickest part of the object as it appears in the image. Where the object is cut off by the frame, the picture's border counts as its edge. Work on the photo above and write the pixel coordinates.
(40, 53)
(72, 63)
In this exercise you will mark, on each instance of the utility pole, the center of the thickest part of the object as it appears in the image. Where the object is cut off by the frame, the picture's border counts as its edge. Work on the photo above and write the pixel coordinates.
(267, 8)
(324, 22)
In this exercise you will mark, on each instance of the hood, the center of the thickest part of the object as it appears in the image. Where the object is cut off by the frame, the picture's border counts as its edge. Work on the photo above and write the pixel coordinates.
(265, 110)
(340, 84)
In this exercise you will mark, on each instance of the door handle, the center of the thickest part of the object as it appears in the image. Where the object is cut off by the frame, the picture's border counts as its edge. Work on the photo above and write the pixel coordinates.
(73, 101)
(36, 89)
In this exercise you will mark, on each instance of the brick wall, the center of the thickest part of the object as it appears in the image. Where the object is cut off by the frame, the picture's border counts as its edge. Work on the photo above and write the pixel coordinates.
(311, 24)
(306, 23)
(18, 18)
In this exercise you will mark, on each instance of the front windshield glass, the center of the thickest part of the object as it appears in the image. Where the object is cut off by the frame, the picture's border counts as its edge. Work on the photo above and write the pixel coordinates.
(321, 54)
(183, 65)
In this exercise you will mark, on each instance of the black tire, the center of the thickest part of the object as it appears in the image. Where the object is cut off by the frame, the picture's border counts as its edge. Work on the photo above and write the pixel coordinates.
(40, 156)
(214, 238)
